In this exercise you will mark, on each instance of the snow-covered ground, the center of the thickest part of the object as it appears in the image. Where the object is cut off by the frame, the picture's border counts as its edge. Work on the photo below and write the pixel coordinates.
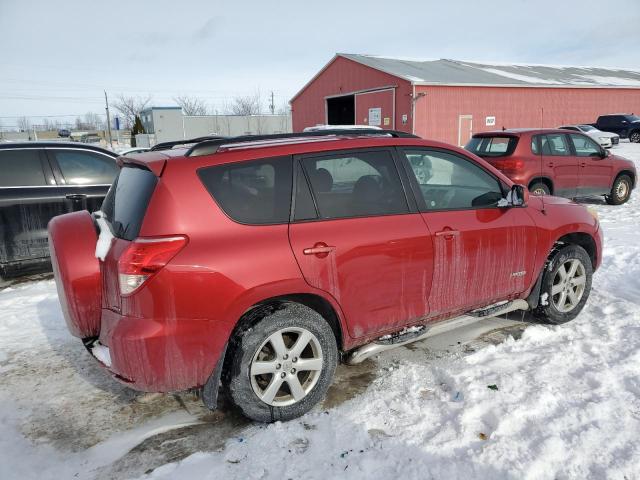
(558, 402)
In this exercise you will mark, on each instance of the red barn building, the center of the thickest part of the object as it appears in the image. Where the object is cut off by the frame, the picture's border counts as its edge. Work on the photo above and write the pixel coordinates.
(449, 100)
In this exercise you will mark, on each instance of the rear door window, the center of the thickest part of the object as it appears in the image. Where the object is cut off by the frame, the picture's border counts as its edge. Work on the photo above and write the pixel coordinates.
(555, 144)
(256, 192)
(21, 168)
(498, 146)
(126, 202)
(85, 168)
(355, 184)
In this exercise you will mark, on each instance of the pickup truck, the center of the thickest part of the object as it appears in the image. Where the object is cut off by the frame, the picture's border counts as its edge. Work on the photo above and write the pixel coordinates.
(624, 124)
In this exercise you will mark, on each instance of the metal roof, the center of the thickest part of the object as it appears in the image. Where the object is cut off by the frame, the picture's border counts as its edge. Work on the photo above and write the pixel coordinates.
(455, 72)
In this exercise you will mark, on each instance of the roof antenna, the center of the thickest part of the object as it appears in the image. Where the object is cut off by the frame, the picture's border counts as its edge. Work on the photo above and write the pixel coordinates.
(539, 142)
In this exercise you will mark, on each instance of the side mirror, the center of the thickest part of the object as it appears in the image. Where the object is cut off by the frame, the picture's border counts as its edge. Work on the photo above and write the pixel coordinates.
(518, 197)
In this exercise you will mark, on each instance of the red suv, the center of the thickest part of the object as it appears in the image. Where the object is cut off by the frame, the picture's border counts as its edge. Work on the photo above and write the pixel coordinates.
(558, 162)
(259, 263)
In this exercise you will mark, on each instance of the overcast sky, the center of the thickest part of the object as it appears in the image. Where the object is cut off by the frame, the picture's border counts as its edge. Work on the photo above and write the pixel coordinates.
(57, 57)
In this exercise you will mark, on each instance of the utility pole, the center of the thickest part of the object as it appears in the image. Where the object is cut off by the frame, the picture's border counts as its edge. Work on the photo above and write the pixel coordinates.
(272, 107)
(106, 107)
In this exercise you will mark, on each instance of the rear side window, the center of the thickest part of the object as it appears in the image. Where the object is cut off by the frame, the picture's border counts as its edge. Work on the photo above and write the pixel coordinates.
(355, 184)
(126, 202)
(85, 168)
(498, 146)
(255, 193)
(20, 168)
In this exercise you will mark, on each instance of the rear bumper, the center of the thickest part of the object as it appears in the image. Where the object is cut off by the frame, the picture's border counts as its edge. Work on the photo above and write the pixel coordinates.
(154, 355)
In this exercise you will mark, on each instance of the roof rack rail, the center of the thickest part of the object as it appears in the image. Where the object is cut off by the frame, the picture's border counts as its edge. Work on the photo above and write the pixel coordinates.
(174, 143)
(211, 145)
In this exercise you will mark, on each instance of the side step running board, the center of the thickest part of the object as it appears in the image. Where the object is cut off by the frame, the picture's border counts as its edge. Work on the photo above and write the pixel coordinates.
(415, 334)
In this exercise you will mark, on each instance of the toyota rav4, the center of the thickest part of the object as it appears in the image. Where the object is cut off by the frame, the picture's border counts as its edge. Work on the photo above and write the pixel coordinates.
(259, 263)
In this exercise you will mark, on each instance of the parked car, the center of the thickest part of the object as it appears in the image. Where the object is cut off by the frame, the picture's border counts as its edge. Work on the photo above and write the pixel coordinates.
(557, 162)
(605, 139)
(131, 151)
(40, 180)
(64, 132)
(624, 124)
(260, 262)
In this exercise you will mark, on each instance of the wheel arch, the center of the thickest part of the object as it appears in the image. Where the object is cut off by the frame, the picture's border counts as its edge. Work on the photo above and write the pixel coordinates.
(629, 173)
(546, 180)
(582, 239)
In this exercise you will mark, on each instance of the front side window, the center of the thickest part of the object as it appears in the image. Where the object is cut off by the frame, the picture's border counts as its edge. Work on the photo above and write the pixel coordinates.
(585, 147)
(256, 192)
(449, 182)
(355, 184)
(555, 144)
(21, 168)
(85, 168)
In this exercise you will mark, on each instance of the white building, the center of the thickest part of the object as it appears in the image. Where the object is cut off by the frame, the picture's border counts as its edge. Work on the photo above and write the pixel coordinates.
(169, 123)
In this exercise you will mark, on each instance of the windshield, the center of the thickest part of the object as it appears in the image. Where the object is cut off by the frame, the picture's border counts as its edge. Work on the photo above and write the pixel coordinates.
(495, 146)
(632, 118)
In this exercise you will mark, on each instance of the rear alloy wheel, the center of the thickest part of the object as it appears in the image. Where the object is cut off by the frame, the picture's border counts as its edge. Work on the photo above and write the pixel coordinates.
(635, 137)
(540, 188)
(282, 366)
(566, 285)
(620, 192)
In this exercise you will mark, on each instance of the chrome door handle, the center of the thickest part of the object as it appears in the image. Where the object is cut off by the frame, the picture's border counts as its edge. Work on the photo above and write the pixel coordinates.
(447, 233)
(318, 249)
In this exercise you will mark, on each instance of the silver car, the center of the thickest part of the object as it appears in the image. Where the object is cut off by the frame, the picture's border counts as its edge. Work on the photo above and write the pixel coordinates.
(606, 139)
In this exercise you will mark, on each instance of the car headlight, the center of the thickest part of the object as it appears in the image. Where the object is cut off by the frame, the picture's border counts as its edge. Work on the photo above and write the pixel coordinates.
(593, 212)
(604, 139)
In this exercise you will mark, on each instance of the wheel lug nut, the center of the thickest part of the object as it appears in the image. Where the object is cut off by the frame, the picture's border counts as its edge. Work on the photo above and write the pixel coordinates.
(282, 375)
(278, 366)
(295, 359)
(293, 370)
(285, 356)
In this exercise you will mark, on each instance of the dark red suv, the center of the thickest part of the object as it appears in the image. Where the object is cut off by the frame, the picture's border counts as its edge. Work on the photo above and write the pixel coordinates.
(259, 263)
(558, 162)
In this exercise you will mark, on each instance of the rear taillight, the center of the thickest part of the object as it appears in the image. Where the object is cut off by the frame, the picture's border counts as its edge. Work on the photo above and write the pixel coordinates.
(509, 165)
(144, 257)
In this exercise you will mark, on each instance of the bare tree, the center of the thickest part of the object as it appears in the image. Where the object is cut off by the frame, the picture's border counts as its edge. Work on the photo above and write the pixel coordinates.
(130, 107)
(246, 105)
(93, 121)
(24, 125)
(192, 105)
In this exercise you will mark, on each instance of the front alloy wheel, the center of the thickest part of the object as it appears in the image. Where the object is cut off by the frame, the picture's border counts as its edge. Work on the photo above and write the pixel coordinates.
(634, 137)
(566, 285)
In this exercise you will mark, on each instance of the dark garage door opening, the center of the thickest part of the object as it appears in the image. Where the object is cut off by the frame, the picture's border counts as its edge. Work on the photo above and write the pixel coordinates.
(341, 110)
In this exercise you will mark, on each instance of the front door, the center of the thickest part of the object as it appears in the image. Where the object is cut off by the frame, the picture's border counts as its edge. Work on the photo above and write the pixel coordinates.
(482, 253)
(596, 173)
(357, 239)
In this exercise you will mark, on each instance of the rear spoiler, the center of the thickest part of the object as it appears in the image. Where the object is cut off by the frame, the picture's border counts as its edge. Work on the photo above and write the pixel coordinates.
(154, 161)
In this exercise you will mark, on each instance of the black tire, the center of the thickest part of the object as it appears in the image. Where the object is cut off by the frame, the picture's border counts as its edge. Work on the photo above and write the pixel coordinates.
(539, 188)
(247, 347)
(634, 136)
(621, 190)
(547, 309)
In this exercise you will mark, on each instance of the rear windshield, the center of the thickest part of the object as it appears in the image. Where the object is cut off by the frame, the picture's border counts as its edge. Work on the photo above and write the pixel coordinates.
(498, 146)
(255, 193)
(127, 200)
